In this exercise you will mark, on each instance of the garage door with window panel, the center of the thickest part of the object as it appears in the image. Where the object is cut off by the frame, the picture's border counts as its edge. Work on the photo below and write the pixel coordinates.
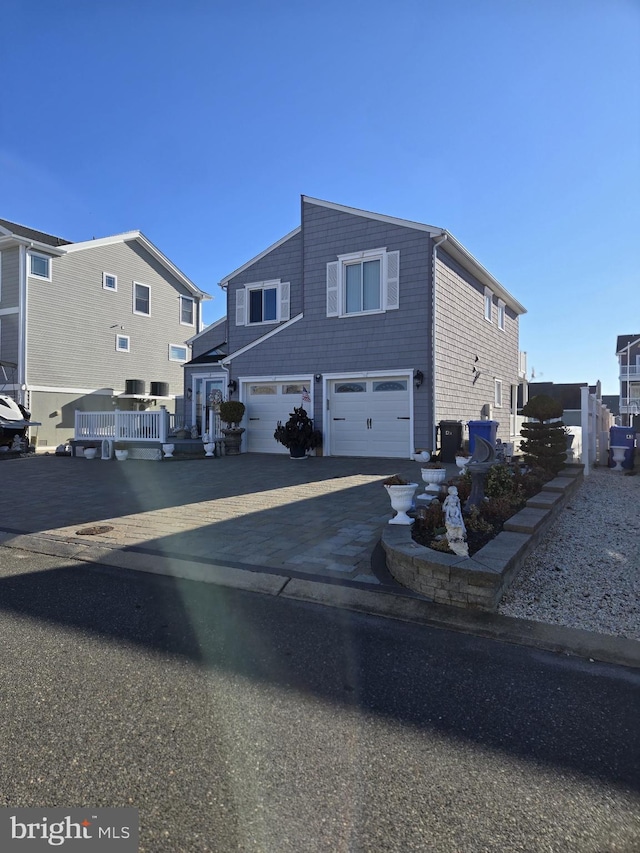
(370, 417)
(267, 403)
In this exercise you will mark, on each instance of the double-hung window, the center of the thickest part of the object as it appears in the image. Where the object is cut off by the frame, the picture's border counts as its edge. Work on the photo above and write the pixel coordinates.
(488, 304)
(186, 310)
(141, 298)
(501, 314)
(262, 302)
(40, 266)
(498, 393)
(363, 283)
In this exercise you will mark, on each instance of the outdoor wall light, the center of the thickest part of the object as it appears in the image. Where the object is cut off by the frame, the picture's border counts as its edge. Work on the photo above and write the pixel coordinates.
(189, 393)
(232, 386)
(418, 378)
(318, 377)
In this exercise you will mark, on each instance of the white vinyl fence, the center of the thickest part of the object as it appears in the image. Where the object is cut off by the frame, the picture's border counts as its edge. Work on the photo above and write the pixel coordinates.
(122, 426)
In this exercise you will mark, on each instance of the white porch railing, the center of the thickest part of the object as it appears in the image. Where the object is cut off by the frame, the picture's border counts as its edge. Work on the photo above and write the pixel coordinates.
(122, 426)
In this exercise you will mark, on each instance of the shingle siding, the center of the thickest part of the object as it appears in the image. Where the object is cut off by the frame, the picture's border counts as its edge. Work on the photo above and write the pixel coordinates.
(8, 341)
(10, 284)
(462, 333)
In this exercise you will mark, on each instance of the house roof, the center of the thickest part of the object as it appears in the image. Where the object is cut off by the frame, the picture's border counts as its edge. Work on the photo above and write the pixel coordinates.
(219, 322)
(212, 356)
(13, 228)
(138, 237)
(451, 245)
(625, 340)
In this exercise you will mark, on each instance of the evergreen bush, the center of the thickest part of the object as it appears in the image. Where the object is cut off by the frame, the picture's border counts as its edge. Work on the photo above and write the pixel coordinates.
(545, 443)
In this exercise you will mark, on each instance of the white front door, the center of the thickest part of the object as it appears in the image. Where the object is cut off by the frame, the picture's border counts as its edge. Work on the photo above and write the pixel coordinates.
(370, 416)
(267, 403)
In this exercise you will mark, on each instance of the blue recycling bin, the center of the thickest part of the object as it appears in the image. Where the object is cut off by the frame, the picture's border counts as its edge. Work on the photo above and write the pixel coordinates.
(484, 429)
(623, 437)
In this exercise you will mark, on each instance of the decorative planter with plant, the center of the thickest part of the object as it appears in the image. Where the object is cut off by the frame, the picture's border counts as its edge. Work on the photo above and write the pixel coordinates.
(298, 434)
(462, 460)
(231, 413)
(401, 494)
(121, 451)
(434, 475)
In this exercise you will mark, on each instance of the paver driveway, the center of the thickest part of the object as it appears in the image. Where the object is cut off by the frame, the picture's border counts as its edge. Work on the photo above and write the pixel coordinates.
(320, 516)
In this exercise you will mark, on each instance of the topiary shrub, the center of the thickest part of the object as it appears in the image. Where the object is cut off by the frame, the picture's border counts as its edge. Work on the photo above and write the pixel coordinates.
(545, 443)
(231, 411)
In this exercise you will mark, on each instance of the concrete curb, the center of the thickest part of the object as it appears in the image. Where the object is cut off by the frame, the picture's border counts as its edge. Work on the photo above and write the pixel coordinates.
(362, 599)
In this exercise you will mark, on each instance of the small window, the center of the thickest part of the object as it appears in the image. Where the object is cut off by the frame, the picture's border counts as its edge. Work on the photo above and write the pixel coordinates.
(488, 304)
(177, 352)
(40, 266)
(498, 393)
(186, 311)
(109, 281)
(350, 388)
(122, 343)
(257, 390)
(501, 314)
(141, 299)
(391, 385)
(292, 389)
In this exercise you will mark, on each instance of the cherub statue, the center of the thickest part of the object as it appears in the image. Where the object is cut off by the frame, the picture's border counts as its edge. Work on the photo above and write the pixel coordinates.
(456, 531)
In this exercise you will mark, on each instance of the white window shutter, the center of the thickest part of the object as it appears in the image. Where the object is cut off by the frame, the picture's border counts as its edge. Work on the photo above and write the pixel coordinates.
(241, 296)
(285, 290)
(332, 289)
(392, 265)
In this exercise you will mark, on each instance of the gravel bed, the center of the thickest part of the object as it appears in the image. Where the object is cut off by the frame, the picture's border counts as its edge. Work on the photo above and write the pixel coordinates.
(586, 571)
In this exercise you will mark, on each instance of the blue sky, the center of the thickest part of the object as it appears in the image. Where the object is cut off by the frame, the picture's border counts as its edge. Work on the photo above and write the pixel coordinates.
(513, 124)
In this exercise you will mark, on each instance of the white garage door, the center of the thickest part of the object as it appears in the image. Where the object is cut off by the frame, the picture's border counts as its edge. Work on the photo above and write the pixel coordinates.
(267, 403)
(370, 417)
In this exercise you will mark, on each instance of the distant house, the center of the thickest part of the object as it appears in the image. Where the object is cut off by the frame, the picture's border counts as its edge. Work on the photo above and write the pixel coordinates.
(628, 353)
(77, 320)
(381, 327)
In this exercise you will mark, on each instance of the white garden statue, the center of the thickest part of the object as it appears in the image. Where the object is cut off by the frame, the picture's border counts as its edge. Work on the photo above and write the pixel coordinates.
(456, 531)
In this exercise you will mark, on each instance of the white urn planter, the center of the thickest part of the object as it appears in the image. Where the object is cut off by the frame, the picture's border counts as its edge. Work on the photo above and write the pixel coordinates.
(210, 448)
(90, 452)
(168, 449)
(122, 455)
(434, 478)
(617, 456)
(401, 500)
(462, 462)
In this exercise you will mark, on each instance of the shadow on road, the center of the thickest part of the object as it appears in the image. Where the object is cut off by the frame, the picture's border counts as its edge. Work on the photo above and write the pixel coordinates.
(536, 706)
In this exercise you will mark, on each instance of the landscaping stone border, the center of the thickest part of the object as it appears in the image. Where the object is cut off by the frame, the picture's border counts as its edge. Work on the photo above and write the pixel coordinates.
(479, 582)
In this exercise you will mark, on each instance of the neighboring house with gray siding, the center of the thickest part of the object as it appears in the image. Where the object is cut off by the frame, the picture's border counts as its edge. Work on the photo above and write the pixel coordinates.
(77, 320)
(387, 325)
(628, 354)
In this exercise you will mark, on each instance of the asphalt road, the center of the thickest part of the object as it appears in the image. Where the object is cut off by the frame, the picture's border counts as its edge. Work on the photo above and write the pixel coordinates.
(236, 721)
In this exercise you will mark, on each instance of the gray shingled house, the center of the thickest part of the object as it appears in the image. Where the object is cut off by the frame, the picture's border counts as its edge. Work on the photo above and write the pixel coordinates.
(383, 327)
(77, 320)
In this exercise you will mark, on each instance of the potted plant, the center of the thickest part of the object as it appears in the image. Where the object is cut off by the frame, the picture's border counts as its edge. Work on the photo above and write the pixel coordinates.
(298, 434)
(232, 412)
(121, 451)
(90, 451)
(433, 474)
(401, 494)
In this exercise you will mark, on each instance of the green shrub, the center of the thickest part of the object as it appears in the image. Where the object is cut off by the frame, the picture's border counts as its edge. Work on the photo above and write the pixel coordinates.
(231, 411)
(545, 443)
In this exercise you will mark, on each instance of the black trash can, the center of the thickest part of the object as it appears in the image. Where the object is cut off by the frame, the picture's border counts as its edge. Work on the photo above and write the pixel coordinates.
(450, 440)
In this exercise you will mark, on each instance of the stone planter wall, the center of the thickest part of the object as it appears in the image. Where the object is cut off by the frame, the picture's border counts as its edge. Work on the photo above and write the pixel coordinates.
(479, 581)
